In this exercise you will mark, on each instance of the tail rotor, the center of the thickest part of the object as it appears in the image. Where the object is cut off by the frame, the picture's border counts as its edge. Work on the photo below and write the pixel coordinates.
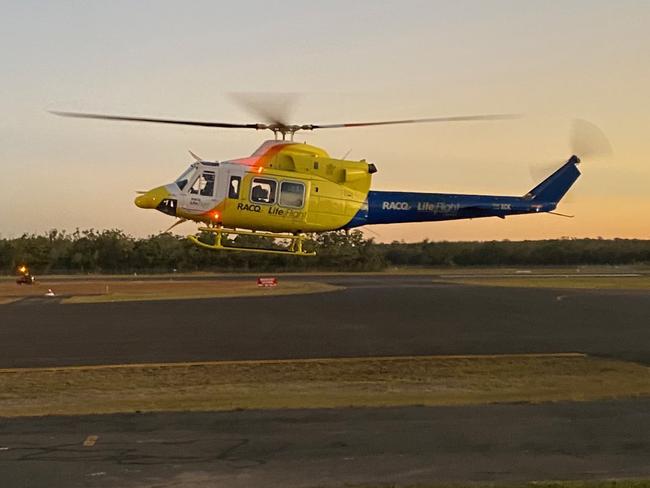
(588, 142)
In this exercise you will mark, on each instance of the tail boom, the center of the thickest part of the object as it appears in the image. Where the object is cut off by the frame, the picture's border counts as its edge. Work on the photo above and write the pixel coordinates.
(387, 207)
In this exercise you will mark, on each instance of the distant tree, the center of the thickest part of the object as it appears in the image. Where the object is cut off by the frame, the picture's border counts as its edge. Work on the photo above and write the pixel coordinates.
(112, 251)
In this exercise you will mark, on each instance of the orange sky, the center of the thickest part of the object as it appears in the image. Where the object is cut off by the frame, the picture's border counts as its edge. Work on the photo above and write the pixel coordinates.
(352, 62)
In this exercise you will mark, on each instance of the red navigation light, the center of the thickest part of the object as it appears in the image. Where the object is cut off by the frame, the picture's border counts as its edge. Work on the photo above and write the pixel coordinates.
(215, 215)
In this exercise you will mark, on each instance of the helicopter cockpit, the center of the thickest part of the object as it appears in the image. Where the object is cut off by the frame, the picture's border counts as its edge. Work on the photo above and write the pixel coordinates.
(194, 191)
(182, 180)
(199, 179)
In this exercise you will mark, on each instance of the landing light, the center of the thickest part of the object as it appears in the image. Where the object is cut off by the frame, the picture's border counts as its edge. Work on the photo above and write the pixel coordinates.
(259, 169)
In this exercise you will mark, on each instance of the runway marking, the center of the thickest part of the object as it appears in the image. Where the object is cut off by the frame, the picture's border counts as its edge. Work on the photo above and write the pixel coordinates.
(90, 440)
(294, 361)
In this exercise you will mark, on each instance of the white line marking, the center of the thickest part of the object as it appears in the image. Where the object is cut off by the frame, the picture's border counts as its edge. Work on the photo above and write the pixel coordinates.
(90, 440)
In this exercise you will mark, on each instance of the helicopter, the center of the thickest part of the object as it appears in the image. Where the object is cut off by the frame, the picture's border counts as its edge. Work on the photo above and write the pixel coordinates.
(287, 190)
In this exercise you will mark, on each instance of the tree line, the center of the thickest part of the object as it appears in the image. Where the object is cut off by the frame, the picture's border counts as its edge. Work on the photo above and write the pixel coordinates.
(113, 251)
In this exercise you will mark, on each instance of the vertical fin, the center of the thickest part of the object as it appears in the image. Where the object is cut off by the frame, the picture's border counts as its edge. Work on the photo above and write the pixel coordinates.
(553, 188)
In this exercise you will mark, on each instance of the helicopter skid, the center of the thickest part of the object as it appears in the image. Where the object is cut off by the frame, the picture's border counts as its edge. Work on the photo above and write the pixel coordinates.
(294, 249)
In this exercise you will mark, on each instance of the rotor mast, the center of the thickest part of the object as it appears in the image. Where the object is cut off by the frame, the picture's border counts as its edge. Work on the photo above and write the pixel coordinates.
(285, 130)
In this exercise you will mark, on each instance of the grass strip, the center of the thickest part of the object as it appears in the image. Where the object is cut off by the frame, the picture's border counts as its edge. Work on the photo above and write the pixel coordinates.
(574, 282)
(102, 291)
(233, 291)
(326, 383)
(532, 484)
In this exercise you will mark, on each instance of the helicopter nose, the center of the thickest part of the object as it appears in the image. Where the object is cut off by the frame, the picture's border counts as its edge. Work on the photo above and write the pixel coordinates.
(152, 198)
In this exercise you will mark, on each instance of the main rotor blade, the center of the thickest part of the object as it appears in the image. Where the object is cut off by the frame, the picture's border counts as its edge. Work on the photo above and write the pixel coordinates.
(282, 127)
(224, 125)
(461, 118)
(272, 108)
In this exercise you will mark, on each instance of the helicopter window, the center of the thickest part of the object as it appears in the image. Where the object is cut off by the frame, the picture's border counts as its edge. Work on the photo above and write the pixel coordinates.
(203, 185)
(181, 181)
(292, 194)
(263, 190)
(208, 190)
(233, 189)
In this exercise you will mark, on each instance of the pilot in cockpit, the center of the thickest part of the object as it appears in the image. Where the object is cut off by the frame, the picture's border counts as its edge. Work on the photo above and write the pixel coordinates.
(260, 194)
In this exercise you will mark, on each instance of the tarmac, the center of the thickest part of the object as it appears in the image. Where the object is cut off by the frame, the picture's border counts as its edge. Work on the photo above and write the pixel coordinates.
(372, 316)
(323, 448)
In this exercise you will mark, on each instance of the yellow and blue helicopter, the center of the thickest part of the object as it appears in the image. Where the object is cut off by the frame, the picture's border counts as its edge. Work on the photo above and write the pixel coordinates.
(286, 190)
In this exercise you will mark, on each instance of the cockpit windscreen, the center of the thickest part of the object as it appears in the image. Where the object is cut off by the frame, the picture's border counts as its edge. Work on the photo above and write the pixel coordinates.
(182, 180)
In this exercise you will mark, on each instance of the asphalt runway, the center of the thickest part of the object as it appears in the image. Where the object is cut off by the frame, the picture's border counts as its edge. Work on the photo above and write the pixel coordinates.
(373, 316)
(309, 448)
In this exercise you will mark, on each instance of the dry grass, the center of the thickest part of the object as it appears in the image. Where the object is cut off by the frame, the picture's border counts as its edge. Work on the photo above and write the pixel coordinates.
(532, 484)
(94, 291)
(318, 383)
(574, 282)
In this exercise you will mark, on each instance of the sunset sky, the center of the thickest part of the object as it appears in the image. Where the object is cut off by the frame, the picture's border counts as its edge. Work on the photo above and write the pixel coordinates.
(348, 61)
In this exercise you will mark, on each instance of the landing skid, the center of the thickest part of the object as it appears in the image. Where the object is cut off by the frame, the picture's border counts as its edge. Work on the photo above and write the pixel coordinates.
(295, 248)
